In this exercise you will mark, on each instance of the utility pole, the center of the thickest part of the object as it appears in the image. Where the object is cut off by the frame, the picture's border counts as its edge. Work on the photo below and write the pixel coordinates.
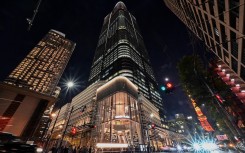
(64, 132)
(51, 132)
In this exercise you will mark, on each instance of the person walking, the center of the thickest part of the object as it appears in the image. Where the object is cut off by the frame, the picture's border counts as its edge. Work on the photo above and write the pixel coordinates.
(74, 150)
(54, 149)
(90, 150)
(66, 150)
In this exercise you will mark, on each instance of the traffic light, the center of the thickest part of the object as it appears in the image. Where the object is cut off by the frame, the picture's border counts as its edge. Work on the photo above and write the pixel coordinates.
(163, 88)
(168, 87)
(73, 130)
(152, 126)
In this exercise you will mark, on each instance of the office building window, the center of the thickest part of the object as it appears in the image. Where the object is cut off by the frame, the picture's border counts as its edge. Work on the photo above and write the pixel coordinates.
(211, 7)
(234, 45)
(226, 57)
(234, 64)
(221, 9)
(242, 72)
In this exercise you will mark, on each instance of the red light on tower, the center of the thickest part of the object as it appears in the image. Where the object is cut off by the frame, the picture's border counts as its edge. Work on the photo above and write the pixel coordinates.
(153, 126)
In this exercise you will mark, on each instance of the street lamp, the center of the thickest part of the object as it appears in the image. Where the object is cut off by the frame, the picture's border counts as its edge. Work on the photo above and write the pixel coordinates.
(51, 132)
(67, 124)
(196, 146)
(204, 145)
(179, 148)
(70, 84)
(152, 115)
(53, 115)
(153, 128)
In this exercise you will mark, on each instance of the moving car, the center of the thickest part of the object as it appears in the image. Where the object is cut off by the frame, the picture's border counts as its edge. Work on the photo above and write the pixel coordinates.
(12, 144)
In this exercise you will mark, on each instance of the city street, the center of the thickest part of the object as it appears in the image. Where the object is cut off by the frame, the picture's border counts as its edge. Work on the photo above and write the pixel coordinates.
(122, 76)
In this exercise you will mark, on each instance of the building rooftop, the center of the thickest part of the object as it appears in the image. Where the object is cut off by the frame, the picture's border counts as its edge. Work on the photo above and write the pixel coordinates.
(120, 5)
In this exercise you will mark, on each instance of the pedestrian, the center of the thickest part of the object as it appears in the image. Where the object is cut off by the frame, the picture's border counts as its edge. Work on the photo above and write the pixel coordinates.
(61, 150)
(80, 150)
(54, 149)
(86, 150)
(66, 150)
(137, 148)
(90, 149)
(74, 150)
(70, 150)
(148, 149)
(83, 149)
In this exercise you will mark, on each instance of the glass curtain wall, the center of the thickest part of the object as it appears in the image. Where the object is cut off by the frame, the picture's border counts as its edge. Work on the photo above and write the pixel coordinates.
(119, 119)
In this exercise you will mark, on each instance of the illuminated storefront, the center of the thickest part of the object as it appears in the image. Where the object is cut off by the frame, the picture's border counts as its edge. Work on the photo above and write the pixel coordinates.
(126, 117)
(115, 113)
(119, 120)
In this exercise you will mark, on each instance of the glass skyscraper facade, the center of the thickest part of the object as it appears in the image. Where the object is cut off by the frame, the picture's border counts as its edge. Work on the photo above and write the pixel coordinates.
(121, 52)
(220, 24)
(42, 68)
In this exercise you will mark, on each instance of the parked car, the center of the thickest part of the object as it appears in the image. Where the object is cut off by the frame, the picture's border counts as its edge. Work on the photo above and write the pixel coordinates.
(12, 144)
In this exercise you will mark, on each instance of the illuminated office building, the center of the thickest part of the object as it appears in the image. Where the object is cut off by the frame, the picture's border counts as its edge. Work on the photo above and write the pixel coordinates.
(81, 117)
(122, 100)
(121, 52)
(42, 68)
(220, 24)
(31, 88)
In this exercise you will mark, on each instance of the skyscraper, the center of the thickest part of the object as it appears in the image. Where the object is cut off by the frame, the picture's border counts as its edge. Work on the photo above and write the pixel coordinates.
(32, 86)
(121, 52)
(122, 100)
(42, 68)
(220, 24)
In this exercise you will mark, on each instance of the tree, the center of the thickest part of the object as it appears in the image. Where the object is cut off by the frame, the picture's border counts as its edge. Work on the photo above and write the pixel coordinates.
(192, 76)
(190, 69)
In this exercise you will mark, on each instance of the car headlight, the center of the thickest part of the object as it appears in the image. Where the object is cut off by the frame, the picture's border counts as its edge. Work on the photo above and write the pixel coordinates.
(39, 150)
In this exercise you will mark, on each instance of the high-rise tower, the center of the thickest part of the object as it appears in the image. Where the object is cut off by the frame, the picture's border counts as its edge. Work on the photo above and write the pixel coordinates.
(32, 86)
(121, 52)
(220, 25)
(43, 66)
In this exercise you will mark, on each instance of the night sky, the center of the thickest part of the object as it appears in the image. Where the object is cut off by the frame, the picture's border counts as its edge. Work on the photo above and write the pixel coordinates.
(165, 37)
